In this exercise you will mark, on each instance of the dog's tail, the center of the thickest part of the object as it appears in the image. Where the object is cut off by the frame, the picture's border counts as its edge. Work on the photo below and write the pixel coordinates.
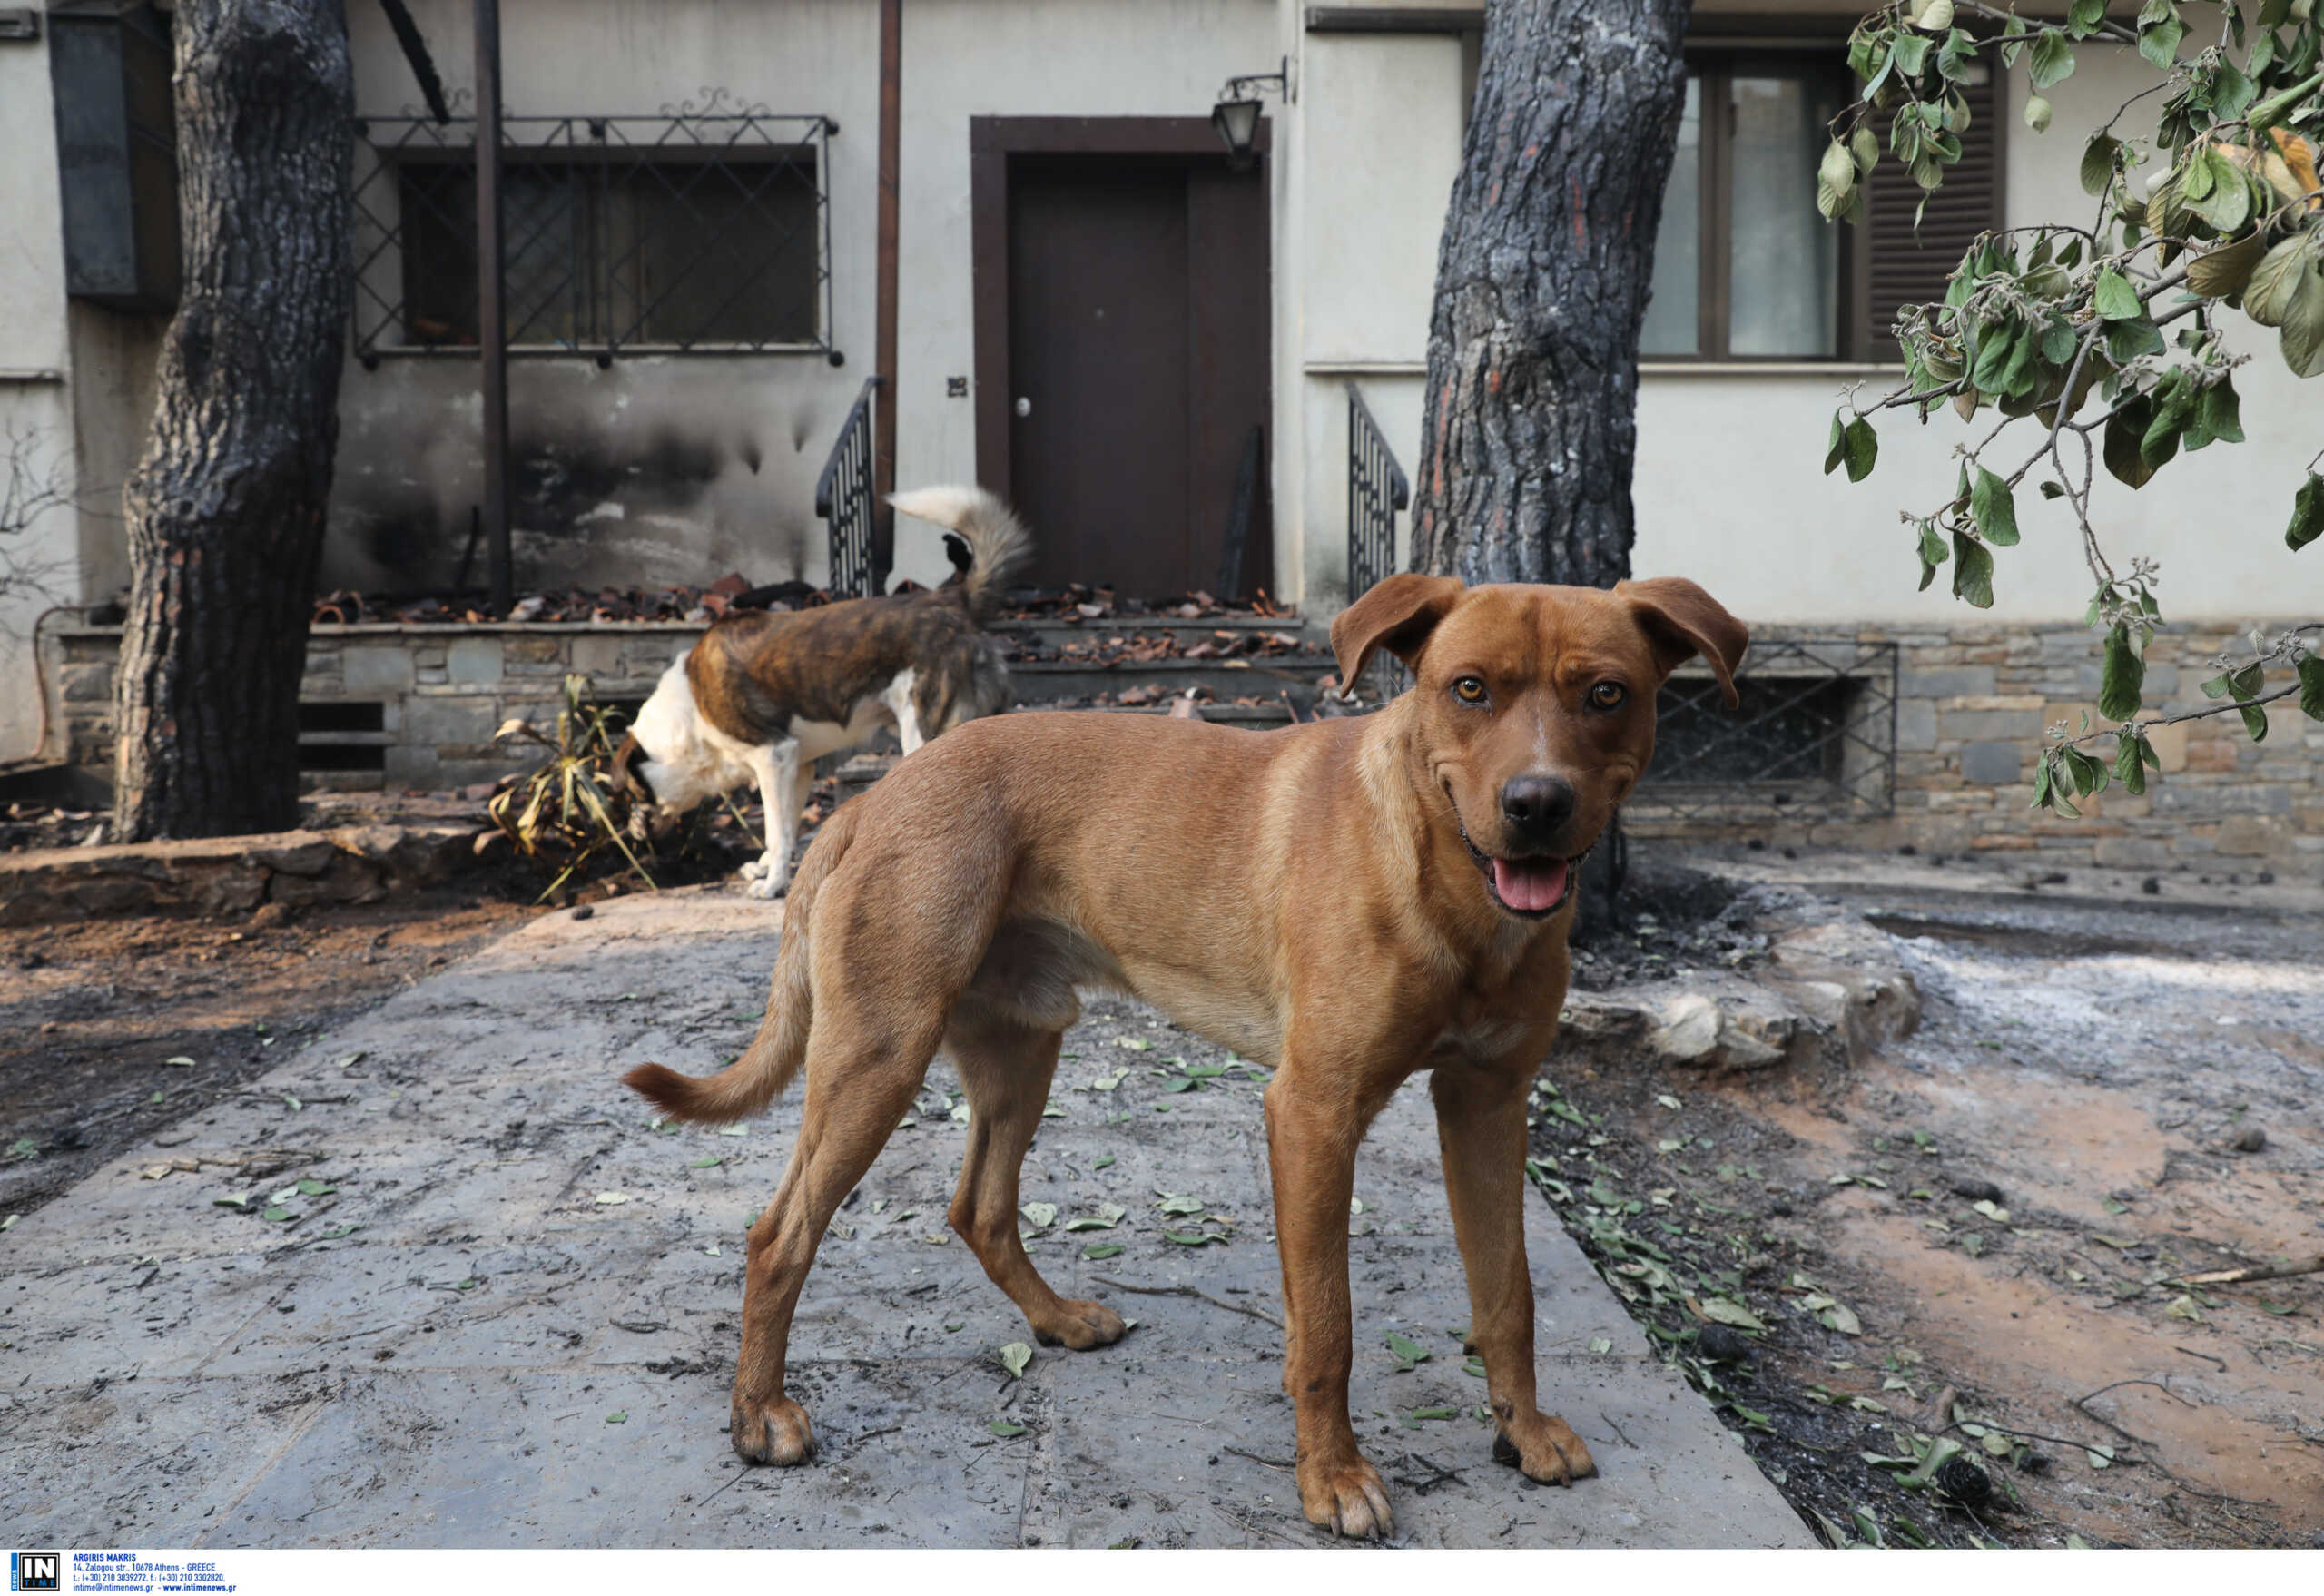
(998, 541)
(750, 1082)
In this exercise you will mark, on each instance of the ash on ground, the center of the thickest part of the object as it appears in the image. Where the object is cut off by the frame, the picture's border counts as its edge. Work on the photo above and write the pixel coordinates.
(1668, 919)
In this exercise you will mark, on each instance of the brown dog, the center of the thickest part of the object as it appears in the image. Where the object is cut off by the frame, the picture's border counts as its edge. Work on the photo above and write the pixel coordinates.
(1348, 902)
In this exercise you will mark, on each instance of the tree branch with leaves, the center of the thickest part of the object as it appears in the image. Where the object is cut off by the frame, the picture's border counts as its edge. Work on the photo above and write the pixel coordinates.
(2038, 320)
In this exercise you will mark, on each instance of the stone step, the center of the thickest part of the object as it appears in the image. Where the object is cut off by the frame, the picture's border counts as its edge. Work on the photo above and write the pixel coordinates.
(1054, 631)
(1047, 679)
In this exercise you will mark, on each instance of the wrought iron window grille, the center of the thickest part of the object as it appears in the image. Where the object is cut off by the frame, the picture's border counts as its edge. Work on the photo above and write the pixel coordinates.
(704, 229)
(1816, 734)
(1376, 490)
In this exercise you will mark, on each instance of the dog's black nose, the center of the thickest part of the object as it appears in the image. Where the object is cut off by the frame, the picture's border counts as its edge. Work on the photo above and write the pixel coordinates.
(1537, 807)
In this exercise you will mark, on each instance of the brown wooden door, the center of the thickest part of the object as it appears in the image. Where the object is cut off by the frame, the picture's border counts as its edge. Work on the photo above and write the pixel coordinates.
(1138, 366)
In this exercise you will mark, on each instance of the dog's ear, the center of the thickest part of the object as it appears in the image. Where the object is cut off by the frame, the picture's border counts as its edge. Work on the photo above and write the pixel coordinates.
(625, 778)
(1680, 620)
(1397, 615)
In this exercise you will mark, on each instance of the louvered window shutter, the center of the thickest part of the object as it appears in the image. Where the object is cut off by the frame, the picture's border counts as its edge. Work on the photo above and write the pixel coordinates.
(1905, 265)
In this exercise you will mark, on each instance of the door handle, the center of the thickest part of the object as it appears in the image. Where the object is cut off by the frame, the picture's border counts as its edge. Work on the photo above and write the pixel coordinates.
(1024, 406)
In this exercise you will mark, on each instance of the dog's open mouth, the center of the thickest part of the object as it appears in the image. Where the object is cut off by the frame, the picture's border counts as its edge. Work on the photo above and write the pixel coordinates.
(1534, 887)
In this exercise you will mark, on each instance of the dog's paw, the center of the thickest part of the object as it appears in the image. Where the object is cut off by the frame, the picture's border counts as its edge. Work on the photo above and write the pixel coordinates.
(1545, 1448)
(1080, 1325)
(1347, 1497)
(765, 888)
(777, 1432)
(754, 869)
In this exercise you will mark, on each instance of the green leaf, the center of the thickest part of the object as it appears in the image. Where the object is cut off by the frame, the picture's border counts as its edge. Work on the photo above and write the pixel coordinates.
(1106, 1250)
(1407, 1351)
(2086, 16)
(2228, 206)
(1836, 452)
(2173, 409)
(2268, 296)
(2303, 328)
(1004, 1430)
(2125, 677)
(1863, 448)
(1721, 1310)
(2127, 340)
(2307, 513)
(1014, 1357)
(1932, 552)
(1994, 509)
(2124, 429)
(2058, 341)
(2220, 412)
(1972, 571)
(2089, 776)
(2310, 669)
(2098, 163)
(2037, 113)
(2160, 43)
(2050, 61)
(1996, 346)
(2115, 298)
(2130, 761)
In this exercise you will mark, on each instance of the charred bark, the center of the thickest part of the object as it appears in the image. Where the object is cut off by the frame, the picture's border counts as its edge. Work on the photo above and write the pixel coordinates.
(1529, 424)
(225, 509)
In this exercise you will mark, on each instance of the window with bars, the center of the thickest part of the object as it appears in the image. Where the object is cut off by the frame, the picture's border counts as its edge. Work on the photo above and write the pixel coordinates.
(685, 233)
(1744, 268)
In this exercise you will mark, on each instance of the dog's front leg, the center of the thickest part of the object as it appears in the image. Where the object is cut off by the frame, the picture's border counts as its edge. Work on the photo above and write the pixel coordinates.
(1313, 1132)
(776, 766)
(1480, 1129)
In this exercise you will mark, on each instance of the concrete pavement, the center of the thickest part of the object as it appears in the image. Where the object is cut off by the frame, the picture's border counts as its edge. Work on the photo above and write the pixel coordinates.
(501, 1309)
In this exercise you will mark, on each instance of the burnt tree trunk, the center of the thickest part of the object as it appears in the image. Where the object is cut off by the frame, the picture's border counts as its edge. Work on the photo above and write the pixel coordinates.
(1529, 427)
(225, 507)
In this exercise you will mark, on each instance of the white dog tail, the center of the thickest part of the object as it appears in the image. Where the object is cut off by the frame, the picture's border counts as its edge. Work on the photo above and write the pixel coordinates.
(998, 541)
(756, 1079)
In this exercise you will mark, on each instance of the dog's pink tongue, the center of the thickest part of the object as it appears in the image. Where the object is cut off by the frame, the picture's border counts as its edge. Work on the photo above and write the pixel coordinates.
(1529, 883)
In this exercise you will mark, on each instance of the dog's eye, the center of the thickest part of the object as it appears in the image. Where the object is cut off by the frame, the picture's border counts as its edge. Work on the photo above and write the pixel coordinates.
(1470, 689)
(1608, 695)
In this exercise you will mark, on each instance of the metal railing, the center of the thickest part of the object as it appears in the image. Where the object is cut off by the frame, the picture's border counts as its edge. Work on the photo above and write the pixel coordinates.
(1376, 490)
(845, 500)
(704, 229)
(1816, 734)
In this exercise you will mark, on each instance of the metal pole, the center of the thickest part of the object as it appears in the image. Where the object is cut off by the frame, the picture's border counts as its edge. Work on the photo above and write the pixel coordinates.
(491, 314)
(883, 406)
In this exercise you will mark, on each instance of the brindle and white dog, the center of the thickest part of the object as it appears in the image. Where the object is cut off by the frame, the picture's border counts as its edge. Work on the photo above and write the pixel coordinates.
(764, 695)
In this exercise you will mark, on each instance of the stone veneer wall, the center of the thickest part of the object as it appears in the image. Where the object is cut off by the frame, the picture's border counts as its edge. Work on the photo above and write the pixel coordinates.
(443, 691)
(1972, 706)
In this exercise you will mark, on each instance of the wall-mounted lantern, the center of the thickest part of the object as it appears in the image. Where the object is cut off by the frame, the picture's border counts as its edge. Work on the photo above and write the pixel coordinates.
(1236, 117)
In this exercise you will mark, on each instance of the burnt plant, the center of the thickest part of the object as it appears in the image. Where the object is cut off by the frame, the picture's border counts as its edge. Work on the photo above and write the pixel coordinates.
(569, 813)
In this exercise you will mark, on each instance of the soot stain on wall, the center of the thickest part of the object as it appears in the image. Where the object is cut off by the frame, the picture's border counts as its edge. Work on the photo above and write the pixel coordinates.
(647, 476)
